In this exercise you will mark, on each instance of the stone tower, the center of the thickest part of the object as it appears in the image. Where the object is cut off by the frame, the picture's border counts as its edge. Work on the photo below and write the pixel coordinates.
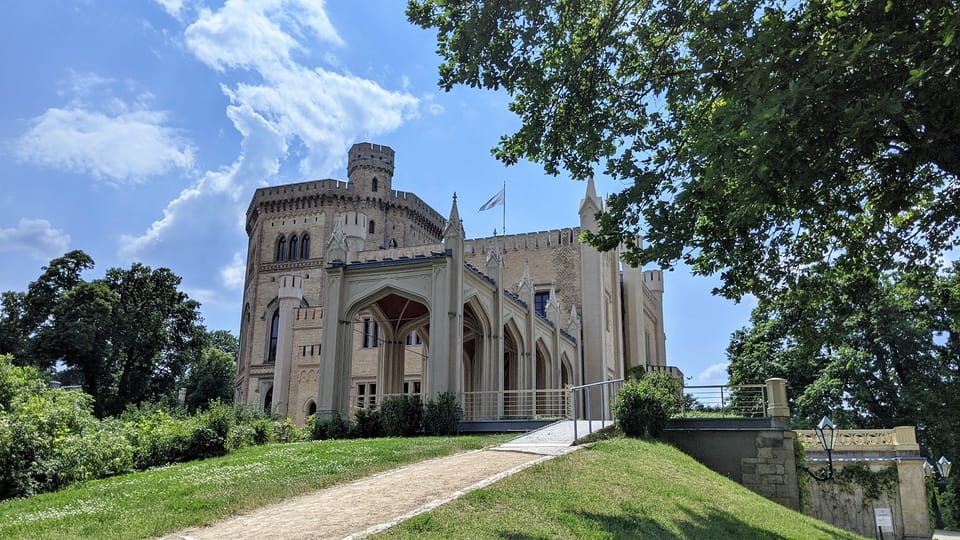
(289, 229)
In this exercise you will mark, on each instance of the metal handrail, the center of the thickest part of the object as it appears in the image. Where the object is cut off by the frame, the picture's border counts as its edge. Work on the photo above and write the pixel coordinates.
(723, 398)
(606, 388)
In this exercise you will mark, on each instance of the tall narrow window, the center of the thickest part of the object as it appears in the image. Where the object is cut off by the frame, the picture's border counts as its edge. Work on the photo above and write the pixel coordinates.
(274, 334)
(371, 334)
(293, 248)
(374, 185)
(540, 300)
(305, 247)
(371, 227)
(268, 400)
(281, 249)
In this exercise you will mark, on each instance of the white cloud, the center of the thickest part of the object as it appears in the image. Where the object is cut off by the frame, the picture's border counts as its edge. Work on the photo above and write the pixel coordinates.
(37, 237)
(279, 102)
(173, 7)
(257, 34)
(232, 274)
(127, 146)
(713, 374)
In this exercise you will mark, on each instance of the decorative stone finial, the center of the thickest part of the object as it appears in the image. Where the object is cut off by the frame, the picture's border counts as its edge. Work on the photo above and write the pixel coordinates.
(337, 245)
(553, 303)
(494, 256)
(526, 282)
(573, 321)
(454, 225)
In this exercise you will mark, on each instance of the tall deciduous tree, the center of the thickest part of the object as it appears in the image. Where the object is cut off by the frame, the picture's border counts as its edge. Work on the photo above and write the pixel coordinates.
(25, 314)
(155, 333)
(130, 334)
(767, 140)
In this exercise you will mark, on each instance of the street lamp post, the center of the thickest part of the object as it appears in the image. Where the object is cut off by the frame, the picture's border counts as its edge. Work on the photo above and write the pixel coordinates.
(827, 435)
(939, 474)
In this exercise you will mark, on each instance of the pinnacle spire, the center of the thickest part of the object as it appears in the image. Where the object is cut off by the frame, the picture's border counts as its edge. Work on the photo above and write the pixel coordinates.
(590, 198)
(454, 223)
(526, 282)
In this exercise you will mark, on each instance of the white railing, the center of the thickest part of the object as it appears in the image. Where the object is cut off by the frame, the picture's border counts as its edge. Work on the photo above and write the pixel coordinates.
(516, 404)
(739, 400)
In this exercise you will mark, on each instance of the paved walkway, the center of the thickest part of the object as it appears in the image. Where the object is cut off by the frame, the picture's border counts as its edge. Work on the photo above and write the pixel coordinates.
(375, 503)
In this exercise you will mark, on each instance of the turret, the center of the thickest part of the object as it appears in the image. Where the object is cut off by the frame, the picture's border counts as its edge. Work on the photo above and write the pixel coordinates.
(370, 168)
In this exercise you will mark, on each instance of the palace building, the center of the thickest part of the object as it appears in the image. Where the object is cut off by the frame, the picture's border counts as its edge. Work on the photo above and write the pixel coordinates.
(355, 291)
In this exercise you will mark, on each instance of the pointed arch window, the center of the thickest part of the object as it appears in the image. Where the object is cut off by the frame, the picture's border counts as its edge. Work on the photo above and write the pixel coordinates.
(305, 247)
(281, 249)
(293, 248)
(374, 184)
(371, 227)
(274, 335)
(268, 400)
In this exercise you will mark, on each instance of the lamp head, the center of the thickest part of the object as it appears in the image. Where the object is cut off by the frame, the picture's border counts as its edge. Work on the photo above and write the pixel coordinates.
(944, 465)
(927, 468)
(826, 432)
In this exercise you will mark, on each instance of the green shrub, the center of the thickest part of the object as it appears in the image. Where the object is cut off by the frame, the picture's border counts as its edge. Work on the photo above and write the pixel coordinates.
(160, 439)
(401, 416)
(366, 424)
(319, 429)
(443, 416)
(285, 431)
(262, 432)
(204, 443)
(247, 414)
(643, 406)
(219, 418)
(240, 436)
(101, 450)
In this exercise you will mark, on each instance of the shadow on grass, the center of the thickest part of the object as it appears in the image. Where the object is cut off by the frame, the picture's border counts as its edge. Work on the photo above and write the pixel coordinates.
(712, 524)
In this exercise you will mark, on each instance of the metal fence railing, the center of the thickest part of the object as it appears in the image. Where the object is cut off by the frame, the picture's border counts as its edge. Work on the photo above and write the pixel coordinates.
(515, 404)
(740, 400)
(593, 402)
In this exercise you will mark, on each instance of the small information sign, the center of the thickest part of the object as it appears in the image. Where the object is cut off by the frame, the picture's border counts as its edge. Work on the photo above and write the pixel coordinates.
(884, 518)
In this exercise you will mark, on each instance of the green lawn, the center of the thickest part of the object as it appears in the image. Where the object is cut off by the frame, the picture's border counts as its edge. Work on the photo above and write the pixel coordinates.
(618, 488)
(164, 500)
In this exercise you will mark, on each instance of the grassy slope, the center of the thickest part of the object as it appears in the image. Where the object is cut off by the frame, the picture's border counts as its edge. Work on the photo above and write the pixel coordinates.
(163, 500)
(621, 488)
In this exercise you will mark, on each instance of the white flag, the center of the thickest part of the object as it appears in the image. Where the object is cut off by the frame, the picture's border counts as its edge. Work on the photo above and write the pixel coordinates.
(494, 201)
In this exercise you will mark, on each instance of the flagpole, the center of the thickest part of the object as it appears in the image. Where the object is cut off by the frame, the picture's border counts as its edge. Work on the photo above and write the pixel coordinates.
(504, 229)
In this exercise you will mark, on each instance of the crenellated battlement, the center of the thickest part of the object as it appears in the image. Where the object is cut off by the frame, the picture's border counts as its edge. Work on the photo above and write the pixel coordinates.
(653, 280)
(525, 241)
(317, 194)
(370, 156)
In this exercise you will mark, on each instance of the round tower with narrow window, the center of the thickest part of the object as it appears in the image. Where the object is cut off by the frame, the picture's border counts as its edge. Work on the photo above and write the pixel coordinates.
(370, 168)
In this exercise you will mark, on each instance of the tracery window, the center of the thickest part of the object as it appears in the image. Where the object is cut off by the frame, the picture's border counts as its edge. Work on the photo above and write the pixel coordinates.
(305, 246)
(281, 249)
(292, 254)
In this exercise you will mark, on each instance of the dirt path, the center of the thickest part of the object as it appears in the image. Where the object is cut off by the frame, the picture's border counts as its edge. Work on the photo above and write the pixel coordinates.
(370, 504)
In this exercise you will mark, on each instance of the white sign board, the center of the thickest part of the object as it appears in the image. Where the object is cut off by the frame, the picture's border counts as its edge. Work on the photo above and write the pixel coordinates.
(884, 518)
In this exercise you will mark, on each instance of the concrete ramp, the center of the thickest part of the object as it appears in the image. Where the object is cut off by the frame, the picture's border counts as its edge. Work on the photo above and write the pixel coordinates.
(557, 438)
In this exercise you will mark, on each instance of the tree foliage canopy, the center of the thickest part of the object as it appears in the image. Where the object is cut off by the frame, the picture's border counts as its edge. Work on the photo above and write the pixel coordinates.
(131, 334)
(766, 140)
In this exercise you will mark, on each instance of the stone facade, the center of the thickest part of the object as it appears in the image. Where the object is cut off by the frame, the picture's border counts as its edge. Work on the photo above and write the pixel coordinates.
(354, 290)
(846, 504)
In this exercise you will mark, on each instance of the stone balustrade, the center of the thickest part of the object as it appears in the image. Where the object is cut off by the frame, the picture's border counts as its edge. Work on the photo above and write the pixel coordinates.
(898, 439)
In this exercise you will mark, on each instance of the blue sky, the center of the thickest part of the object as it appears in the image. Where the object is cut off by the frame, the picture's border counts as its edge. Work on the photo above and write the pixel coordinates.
(138, 131)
